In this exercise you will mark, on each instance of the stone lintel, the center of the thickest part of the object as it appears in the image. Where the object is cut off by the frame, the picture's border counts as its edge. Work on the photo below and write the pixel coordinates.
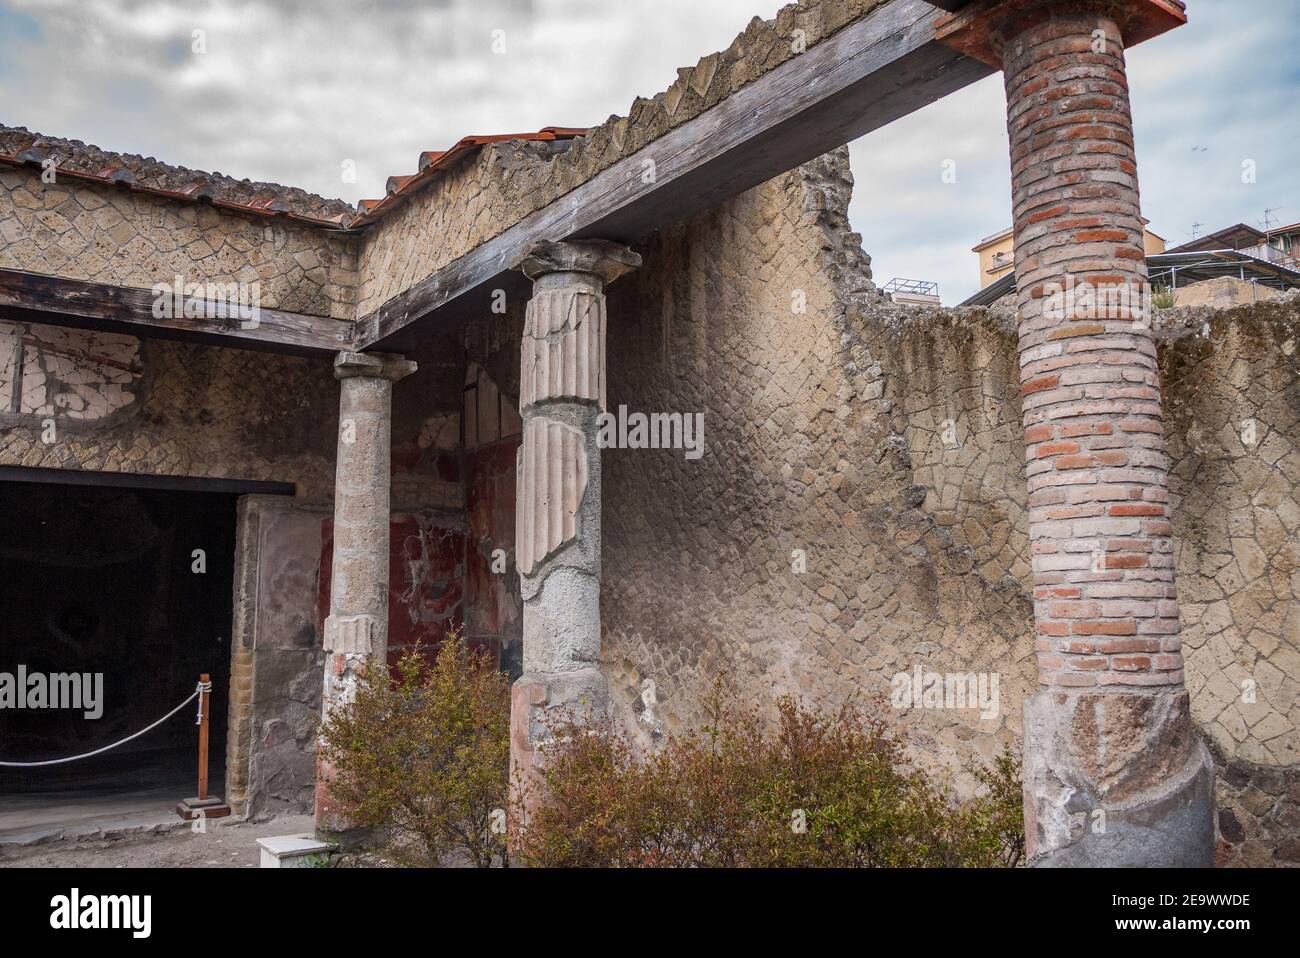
(390, 366)
(979, 29)
(599, 258)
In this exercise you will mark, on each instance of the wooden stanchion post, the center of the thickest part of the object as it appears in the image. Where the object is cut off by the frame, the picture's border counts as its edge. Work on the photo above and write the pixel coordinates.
(205, 681)
(202, 806)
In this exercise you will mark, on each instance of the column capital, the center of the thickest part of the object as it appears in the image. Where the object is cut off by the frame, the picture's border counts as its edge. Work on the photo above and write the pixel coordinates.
(601, 259)
(979, 30)
(390, 366)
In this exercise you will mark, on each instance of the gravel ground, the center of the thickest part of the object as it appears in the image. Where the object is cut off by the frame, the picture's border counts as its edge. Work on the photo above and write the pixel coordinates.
(225, 844)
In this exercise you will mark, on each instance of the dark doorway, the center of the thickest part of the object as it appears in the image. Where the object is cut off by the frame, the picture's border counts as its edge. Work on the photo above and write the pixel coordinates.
(98, 579)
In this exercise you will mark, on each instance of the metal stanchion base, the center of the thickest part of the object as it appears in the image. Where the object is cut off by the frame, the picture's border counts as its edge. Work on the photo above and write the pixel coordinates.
(210, 807)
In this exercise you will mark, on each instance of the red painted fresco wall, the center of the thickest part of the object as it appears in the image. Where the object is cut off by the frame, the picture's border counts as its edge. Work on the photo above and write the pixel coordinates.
(493, 610)
(426, 580)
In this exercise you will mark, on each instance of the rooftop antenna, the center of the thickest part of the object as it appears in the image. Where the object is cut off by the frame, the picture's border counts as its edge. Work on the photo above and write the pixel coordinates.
(1269, 220)
(1196, 229)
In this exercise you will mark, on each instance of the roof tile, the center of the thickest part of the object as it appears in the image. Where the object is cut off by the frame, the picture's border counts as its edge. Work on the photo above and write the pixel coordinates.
(72, 158)
(431, 162)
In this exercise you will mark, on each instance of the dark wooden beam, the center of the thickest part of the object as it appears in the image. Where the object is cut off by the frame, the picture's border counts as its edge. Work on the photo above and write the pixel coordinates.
(882, 67)
(56, 301)
(136, 480)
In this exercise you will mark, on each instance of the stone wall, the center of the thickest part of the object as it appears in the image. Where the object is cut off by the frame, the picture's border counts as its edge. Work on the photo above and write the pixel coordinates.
(462, 208)
(885, 443)
(825, 411)
(115, 403)
(105, 234)
(1232, 404)
(276, 657)
(166, 408)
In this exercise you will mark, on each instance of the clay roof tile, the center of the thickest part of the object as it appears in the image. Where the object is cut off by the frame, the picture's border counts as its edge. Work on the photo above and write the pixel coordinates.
(399, 188)
(76, 160)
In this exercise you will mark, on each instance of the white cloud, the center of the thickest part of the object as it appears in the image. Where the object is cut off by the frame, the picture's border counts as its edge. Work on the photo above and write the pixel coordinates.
(287, 90)
(1228, 83)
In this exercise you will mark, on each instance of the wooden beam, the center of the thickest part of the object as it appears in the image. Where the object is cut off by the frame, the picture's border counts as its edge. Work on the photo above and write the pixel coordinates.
(882, 67)
(135, 480)
(56, 301)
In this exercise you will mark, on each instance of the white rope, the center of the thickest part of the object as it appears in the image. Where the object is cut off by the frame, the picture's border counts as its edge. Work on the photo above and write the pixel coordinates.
(201, 687)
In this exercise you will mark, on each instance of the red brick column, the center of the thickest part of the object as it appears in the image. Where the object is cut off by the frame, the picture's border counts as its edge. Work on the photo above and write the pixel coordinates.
(1114, 774)
(1105, 601)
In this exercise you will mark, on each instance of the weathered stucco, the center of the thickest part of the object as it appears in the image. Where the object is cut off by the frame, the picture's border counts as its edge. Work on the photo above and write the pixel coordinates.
(164, 408)
(276, 657)
(195, 411)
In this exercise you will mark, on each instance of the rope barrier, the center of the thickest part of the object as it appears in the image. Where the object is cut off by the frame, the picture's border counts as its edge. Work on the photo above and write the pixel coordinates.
(201, 687)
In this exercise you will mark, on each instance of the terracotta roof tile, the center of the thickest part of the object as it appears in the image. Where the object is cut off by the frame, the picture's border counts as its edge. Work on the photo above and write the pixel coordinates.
(77, 160)
(400, 188)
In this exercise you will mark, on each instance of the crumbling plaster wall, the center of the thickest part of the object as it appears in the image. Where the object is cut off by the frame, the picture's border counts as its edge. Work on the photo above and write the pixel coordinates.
(276, 657)
(103, 234)
(886, 443)
(186, 410)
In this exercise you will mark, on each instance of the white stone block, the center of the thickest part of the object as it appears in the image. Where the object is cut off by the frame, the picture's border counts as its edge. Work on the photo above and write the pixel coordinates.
(294, 851)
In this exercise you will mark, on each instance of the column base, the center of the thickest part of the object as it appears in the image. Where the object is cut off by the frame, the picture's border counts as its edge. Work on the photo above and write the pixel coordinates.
(1116, 779)
(535, 700)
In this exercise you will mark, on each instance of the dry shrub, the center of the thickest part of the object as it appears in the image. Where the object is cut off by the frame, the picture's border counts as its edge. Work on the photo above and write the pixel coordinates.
(816, 790)
(424, 753)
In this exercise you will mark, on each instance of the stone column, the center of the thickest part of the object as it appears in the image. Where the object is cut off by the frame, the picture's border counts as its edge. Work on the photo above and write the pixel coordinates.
(357, 627)
(557, 532)
(1114, 773)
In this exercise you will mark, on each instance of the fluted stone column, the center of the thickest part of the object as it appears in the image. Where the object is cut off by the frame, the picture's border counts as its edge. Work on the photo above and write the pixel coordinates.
(557, 533)
(357, 627)
(1114, 772)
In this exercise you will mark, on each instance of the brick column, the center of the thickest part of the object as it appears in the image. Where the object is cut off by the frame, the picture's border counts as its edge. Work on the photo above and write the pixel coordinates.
(557, 531)
(1114, 773)
(357, 627)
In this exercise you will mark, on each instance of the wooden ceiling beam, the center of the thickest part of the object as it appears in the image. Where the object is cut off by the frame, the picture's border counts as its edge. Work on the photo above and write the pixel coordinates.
(57, 301)
(882, 67)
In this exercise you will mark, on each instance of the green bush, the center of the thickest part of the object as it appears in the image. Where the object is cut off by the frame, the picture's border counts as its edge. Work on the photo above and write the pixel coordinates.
(814, 791)
(424, 754)
(1162, 297)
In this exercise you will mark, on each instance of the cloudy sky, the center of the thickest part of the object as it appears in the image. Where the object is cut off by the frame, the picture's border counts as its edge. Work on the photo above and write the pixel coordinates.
(288, 91)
